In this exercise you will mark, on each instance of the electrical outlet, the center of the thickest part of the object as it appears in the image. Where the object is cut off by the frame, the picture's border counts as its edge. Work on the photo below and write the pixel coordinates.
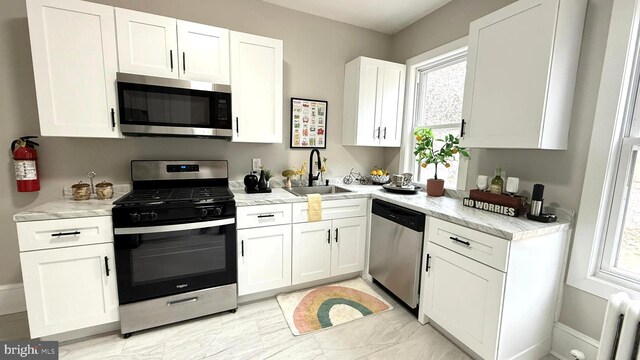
(256, 164)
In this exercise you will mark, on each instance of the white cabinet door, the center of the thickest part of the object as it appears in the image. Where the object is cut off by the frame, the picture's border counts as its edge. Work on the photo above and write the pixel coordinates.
(311, 251)
(373, 102)
(70, 288)
(349, 237)
(521, 71)
(73, 46)
(370, 102)
(465, 298)
(264, 259)
(204, 52)
(256, 80)
(392, 104)
(147, 44)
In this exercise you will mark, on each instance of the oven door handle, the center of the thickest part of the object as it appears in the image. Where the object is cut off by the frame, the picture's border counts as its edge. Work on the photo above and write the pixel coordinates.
(168, 228)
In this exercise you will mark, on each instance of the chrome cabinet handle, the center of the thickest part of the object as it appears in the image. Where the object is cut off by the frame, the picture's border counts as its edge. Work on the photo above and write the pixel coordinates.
(385, 133)
(460, 241)
(378, 130)
(73, 233)
(182, 301)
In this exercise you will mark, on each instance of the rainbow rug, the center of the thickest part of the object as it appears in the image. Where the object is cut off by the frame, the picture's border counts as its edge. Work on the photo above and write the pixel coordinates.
(330, 305)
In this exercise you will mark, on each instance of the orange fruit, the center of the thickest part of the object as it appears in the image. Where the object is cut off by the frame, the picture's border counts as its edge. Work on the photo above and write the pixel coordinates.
(424, 165)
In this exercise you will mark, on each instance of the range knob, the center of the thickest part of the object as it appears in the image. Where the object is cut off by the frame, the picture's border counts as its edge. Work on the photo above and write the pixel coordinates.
(217, 211)
(153, 216)
(204, 213)
(135, 217)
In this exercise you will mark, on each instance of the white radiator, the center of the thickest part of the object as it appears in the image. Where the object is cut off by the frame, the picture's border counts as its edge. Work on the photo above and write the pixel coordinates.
(621, 330)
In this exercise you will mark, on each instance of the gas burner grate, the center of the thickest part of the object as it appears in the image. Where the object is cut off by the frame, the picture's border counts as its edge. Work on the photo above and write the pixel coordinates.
(173, 195)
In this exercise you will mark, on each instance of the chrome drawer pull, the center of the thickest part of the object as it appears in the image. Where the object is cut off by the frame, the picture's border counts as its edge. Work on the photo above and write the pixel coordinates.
(73, 233)
(183, 301)
(460, 241)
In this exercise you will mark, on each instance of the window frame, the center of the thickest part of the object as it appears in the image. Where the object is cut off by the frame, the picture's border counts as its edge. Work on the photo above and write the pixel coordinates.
(600, 203)
(440, 56)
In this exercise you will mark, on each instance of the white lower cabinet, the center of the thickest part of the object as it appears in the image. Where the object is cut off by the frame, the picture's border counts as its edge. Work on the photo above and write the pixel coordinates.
(69, 288)
(264, 258)
(328, 248)
(311, 251)
(347, 254)
(495, 296)
(465, 297)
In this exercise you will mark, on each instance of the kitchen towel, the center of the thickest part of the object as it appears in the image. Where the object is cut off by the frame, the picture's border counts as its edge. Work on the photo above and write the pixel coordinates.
(314, 207)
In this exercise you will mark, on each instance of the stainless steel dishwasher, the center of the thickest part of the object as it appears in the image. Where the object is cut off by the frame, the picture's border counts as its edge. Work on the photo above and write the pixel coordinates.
(396, 249)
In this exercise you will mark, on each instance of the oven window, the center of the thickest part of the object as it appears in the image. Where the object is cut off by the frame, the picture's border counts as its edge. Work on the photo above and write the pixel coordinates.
(179, 254)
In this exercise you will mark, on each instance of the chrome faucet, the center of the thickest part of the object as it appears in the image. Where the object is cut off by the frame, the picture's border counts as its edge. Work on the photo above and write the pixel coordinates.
(311, 176)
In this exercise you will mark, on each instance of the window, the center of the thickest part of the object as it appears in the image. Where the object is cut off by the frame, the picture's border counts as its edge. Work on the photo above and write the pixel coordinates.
(435, 87)
(440, 89)
(605, 258)
(620, 255)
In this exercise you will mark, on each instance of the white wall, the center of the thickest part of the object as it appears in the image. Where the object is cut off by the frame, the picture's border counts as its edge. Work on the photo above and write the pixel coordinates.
(561, 171)
(315, 51)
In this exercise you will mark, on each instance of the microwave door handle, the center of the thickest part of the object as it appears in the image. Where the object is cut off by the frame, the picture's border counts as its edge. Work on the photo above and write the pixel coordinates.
(168, 228)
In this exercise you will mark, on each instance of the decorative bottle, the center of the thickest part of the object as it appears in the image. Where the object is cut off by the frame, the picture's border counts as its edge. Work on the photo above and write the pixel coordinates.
(262, 183)
(497, 183)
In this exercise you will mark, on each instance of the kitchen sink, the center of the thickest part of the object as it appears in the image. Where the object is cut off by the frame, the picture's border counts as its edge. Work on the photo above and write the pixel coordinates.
(322, 190)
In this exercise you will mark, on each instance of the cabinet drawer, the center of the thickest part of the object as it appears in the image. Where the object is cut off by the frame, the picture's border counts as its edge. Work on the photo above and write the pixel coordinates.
(263, 215)
(484, 248)
(332, 209)
(50, 234)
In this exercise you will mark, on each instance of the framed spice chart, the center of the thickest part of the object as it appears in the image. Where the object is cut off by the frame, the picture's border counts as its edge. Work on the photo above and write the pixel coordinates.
(308, 123)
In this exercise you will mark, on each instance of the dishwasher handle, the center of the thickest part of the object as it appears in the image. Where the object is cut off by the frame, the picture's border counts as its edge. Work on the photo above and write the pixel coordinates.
(402, 216)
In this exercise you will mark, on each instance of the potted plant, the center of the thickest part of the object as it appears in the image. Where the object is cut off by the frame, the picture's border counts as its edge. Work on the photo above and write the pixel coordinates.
(426, 154)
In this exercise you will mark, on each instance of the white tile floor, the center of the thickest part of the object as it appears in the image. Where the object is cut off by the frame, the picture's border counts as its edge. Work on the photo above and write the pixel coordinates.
(259, 331)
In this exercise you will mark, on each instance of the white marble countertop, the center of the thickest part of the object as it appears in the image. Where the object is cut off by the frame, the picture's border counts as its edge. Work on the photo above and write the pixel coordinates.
(448, 208)
(67, 208)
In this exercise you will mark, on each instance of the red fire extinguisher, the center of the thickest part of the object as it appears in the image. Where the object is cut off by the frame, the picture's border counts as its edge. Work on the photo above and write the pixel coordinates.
(25, 163)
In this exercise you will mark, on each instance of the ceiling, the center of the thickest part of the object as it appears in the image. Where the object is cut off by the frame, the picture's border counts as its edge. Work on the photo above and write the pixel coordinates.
(381, 15)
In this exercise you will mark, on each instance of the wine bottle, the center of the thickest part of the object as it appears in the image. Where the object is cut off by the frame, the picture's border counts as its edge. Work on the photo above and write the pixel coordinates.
(497, 183)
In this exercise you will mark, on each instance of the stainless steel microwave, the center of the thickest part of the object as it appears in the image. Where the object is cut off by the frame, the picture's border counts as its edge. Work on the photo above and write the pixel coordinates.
(154, 106)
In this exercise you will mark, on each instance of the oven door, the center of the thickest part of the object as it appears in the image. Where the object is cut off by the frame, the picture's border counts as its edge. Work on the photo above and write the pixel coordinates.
(156, 261)
(157, 106)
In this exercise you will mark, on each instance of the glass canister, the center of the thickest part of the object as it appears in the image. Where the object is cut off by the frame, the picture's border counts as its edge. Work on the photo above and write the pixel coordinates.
(104, 190)
(81, 191)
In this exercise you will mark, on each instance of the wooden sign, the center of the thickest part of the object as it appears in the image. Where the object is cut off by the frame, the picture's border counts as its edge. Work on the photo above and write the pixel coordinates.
(494, 208)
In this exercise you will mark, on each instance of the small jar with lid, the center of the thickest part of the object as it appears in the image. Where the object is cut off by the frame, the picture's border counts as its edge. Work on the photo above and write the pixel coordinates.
(81, 191)
(104, 190)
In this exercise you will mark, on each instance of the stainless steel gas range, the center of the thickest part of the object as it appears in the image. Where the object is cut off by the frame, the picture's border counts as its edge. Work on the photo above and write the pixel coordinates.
(175, 241)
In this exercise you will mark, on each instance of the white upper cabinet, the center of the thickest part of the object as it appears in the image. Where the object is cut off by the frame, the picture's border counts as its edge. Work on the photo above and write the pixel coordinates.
(161, 46)
(256, 82)
(147, 44)
(521, 74)
(73, 46)
(204, 52)
(373, 103)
